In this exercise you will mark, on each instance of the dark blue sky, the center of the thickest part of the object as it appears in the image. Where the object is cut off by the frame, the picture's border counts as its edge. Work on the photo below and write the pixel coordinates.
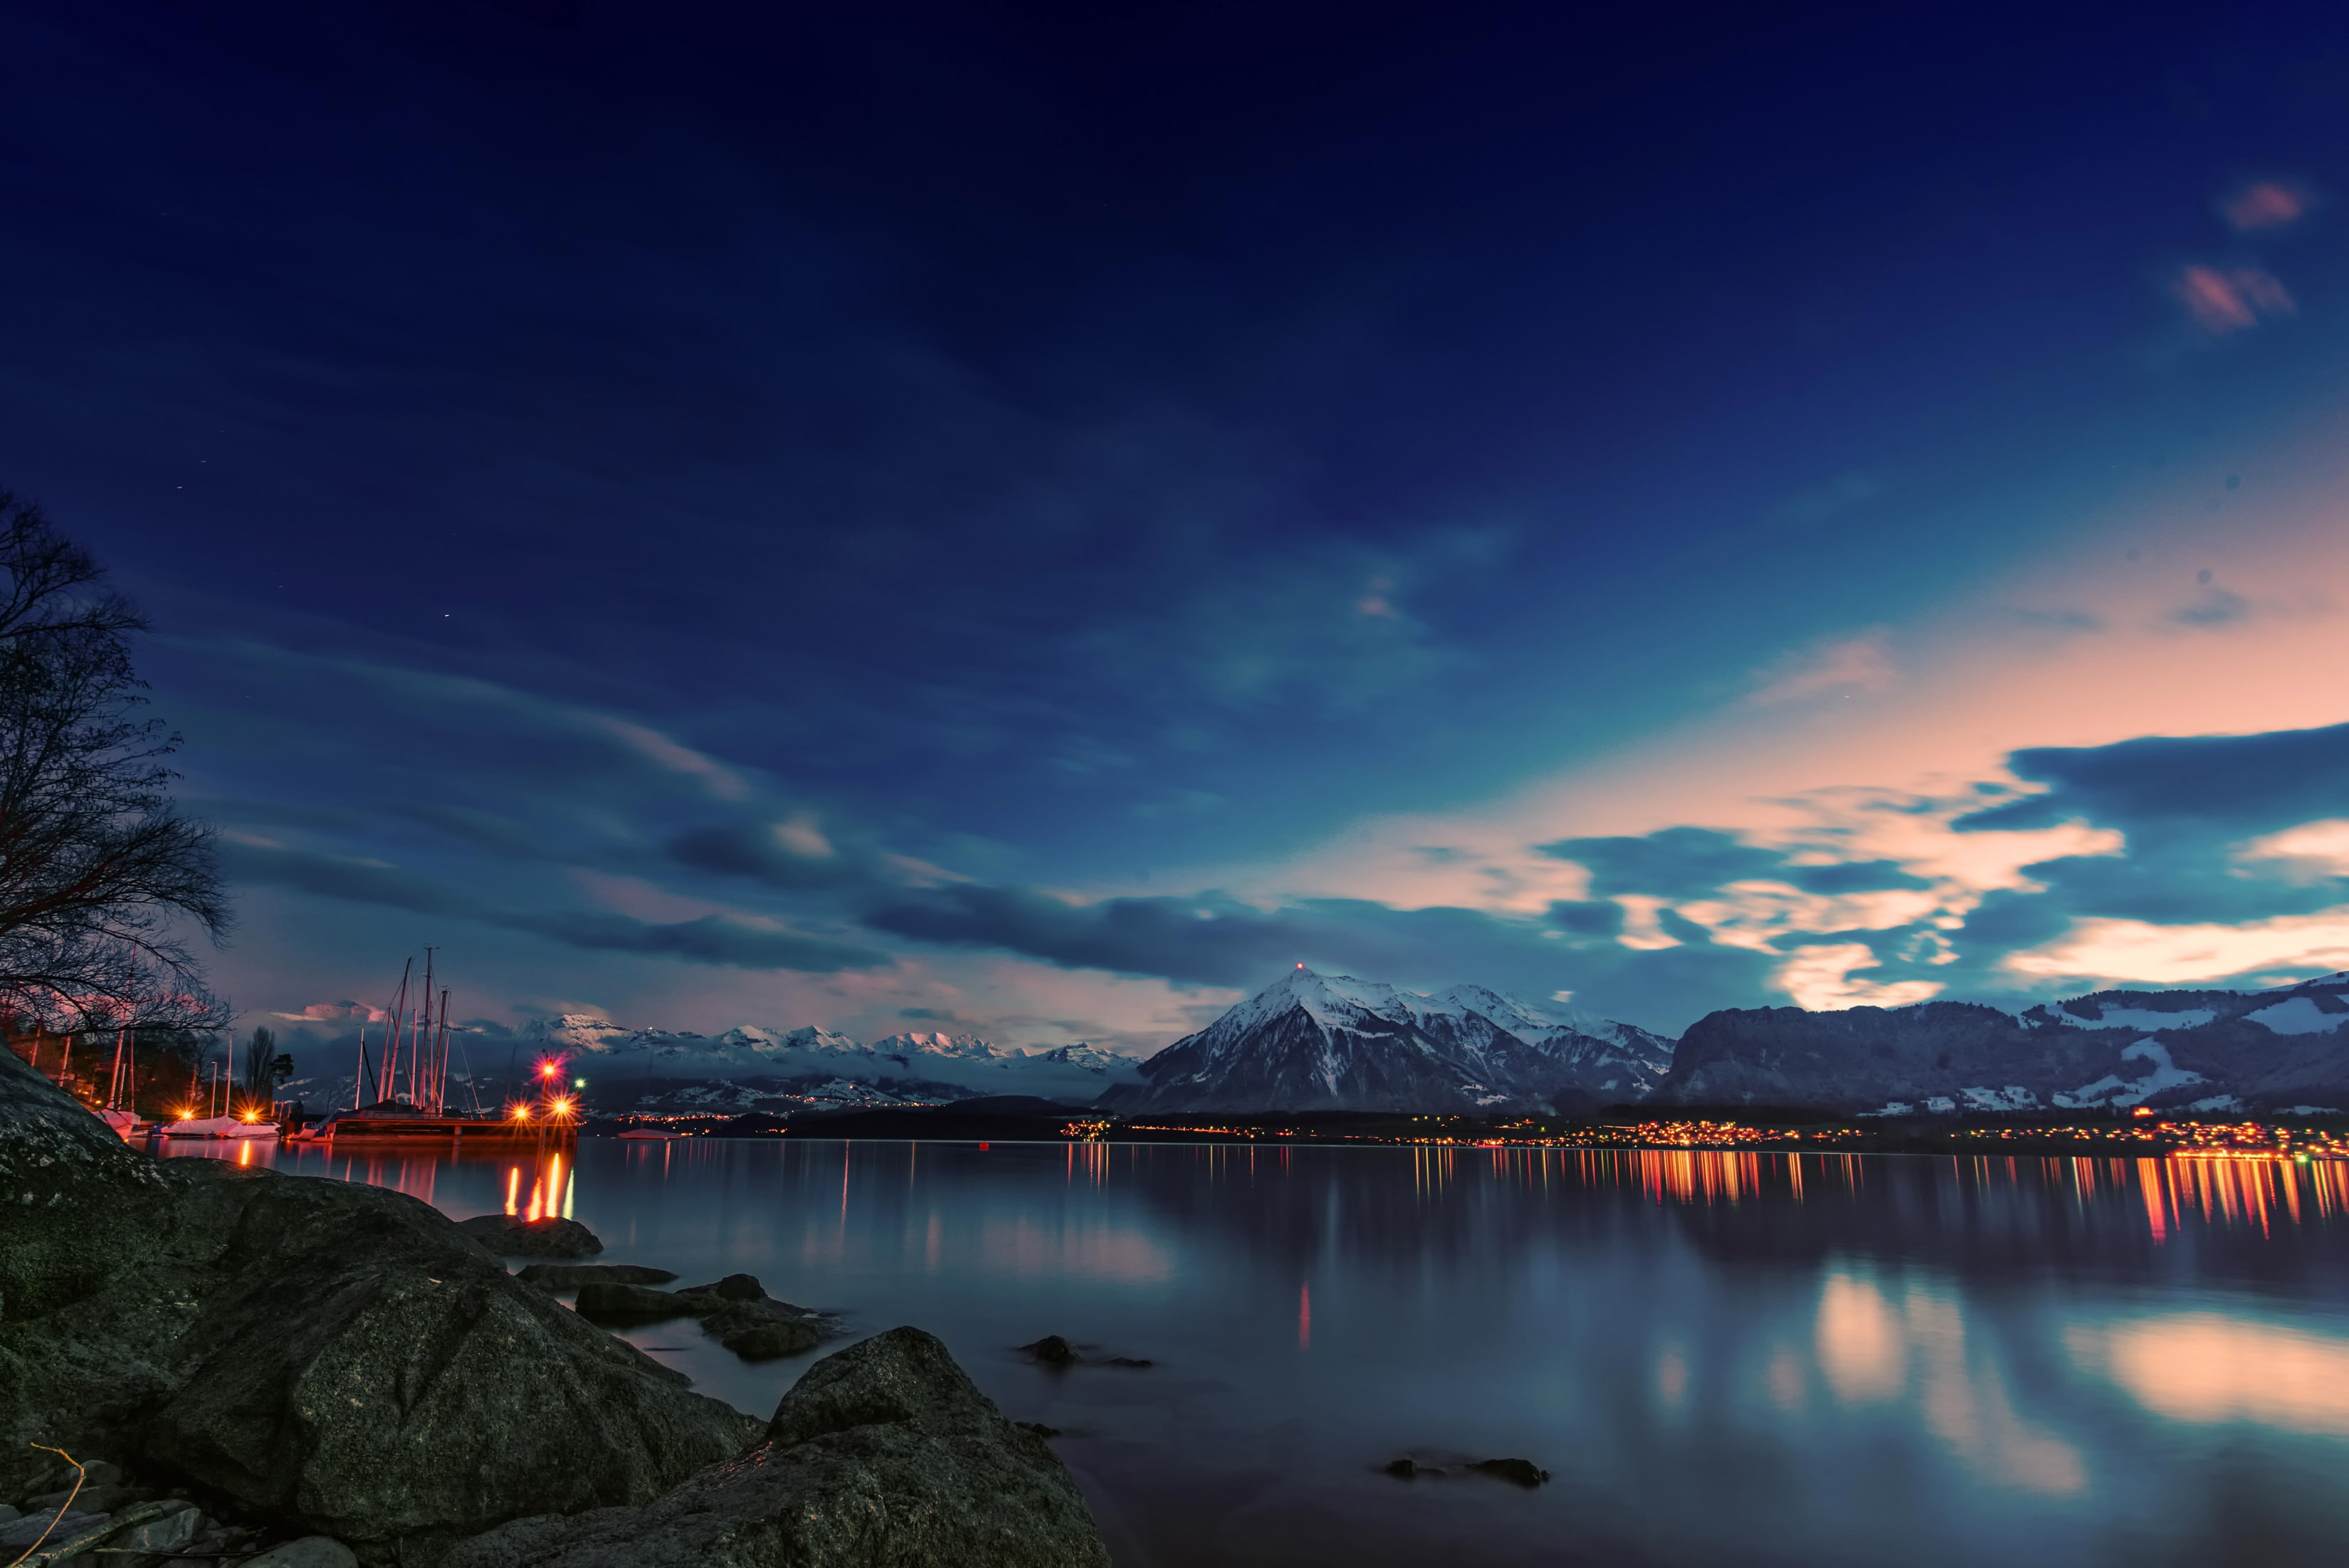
(1032, 518)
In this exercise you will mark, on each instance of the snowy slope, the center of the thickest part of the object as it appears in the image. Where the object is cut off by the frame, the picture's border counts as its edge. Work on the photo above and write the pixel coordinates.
(2211, 1051)
(1314, 1042)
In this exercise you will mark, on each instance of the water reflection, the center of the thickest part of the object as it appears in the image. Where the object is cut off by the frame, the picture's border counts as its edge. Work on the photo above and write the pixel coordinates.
(1722, 1356)
(2203, 1367)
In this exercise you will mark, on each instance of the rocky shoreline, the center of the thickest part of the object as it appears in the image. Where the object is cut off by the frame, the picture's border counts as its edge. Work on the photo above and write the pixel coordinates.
(288, 1357)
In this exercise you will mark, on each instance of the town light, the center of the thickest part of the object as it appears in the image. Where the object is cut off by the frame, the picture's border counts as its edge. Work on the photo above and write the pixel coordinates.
(521, 1113)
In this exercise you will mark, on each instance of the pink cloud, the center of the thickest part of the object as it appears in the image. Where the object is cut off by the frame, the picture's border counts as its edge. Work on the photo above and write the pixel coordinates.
(1861, 663)
(2267, 204)
(2231, 299)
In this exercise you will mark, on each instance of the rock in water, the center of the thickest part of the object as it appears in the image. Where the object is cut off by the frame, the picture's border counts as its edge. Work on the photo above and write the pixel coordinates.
(736, 1312)
(606, 1303)
(512, 1236)
(882, 1453)
(758, 1336)
(1052, 1351)
(1516, 1472)
(739, 1314)
(571, 1276)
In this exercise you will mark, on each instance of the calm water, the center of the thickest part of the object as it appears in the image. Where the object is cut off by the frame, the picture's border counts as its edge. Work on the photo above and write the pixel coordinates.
(1723, 1358)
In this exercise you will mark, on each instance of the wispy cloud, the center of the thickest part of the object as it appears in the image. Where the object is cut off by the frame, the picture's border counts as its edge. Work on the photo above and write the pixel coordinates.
(2108, 949)
(747, 941)
(1837, 496)
(2266, 204)
(2223, 300)
(1860, 664)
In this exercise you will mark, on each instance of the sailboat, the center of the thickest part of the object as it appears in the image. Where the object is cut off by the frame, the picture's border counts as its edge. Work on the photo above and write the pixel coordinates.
(402, 1089)
(219, 1120)
(122, 1088)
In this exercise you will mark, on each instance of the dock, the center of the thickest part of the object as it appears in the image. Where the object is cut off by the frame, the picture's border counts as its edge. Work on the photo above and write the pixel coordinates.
(441, 1129)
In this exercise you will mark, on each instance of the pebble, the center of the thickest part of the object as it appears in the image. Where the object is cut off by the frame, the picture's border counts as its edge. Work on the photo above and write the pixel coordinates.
(94, 1499)
(21, 1533)
(310, 1552)
(169, 1533)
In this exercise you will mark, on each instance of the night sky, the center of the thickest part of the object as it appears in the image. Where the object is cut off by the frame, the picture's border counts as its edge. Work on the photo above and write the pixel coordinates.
(1032, 520)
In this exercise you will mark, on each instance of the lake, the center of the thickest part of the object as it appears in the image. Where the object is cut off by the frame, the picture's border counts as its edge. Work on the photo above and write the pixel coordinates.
(1720, 1358)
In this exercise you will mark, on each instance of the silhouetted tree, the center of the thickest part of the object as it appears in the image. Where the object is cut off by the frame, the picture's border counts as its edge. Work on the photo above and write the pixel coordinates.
(101, 879)
(263, 1068)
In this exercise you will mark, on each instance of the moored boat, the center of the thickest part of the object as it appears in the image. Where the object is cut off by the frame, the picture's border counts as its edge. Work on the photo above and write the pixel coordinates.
(219, 1127)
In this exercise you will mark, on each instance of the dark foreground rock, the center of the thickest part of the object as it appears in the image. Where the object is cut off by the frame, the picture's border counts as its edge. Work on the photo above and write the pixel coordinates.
(322, 1357)
(884, 1453)
(571, 1276)
(512, 1236)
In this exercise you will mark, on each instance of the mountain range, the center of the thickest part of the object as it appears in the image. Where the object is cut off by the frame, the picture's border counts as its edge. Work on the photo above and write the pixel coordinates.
(746, 1067)
(946, 1066)
(1320, 1042)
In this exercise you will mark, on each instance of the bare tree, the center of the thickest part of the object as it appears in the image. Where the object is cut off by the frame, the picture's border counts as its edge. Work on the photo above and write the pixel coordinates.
(102, 880)
(261, 1067)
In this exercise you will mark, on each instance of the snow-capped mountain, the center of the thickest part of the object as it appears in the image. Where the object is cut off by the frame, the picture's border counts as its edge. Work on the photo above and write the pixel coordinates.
(748, 1064)
(2196, 1050)
(1321, 1042)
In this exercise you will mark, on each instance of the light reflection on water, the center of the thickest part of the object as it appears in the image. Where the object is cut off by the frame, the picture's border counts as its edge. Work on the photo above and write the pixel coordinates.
(1722, 1358)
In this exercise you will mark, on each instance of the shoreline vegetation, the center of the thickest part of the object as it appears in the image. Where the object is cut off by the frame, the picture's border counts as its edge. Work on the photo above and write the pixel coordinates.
(325, 1373)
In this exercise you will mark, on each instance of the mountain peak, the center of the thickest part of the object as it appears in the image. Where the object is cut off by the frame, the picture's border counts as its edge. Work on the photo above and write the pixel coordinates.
(1311, 1041)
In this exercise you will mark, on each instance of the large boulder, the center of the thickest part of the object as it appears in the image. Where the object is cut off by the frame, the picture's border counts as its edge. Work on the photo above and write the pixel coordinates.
(322, 1355)
(80, 1206)
(80, 1213)
(364, 1368)
(882, 1453)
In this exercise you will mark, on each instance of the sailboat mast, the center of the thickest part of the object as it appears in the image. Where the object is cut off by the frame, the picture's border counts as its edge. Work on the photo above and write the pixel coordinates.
(426, 1095)
(440, 1053)
(391, 1050)
(473, 1084)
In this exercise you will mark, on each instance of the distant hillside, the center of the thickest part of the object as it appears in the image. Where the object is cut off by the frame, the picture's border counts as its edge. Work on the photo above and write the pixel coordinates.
(2196, 1050)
